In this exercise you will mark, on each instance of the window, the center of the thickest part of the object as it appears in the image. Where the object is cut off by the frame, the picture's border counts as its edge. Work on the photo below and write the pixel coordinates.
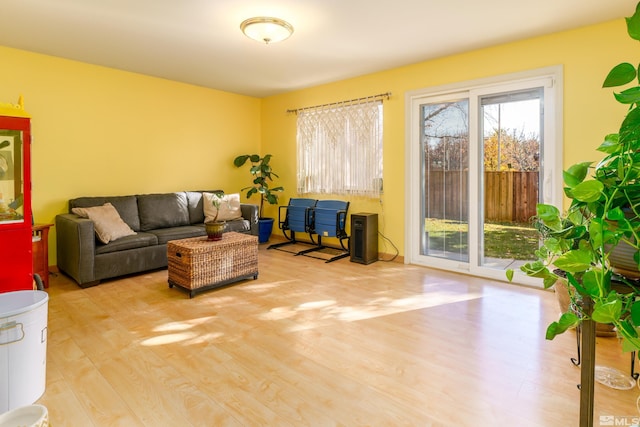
(340, 149)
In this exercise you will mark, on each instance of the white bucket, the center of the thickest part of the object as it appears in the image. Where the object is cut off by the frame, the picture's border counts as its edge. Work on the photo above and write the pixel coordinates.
(27, 416)
(23, 348)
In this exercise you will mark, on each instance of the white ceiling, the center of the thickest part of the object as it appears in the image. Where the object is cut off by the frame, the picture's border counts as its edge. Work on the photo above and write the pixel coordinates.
(199, 41)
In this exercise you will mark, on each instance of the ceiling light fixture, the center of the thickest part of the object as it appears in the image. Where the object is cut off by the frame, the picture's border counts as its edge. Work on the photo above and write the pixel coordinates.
(265, 29)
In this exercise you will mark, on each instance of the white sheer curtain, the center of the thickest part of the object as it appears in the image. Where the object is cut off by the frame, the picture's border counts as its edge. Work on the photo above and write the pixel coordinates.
(340, 149)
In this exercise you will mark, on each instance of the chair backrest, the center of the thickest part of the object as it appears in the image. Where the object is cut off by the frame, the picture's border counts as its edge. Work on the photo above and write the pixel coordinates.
(329, 218)
(297, 216)
(300, 201)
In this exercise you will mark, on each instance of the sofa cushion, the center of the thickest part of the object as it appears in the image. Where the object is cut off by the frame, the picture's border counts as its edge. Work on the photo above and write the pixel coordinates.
(175, 233)
(107, 222)
(229, 207)
(162, 210)
(127, 207)
(138, 240)
(196, 206)
(194, 201)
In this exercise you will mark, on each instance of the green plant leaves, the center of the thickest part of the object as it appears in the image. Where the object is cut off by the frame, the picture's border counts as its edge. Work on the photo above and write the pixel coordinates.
(240, 160)
(577, 217)
(591, 283)
(615, 214)
(629, 130)
(600, 233)
(629, 96)
(547, 212)
(604, 211)
(251, 192)
(535, 269)
(611, 144)
(629, 334)
(574, 261)
(272, 198)
(607, 311)
(567, 320)
(628, 329)
(633, 24)
(509, 274)
(576, 174)
(635, 313)
(586, 191)
(572, 281)
(553, 245)
(261, 173)
(620, 75)
(549, 215)
(539, 270)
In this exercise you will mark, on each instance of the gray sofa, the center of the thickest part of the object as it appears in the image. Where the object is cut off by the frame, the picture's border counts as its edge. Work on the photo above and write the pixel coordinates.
(156, 219)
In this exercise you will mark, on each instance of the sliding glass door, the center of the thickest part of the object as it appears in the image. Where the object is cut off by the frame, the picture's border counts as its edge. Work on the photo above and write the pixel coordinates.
(445, 164)
(512, 144)
(479, 160)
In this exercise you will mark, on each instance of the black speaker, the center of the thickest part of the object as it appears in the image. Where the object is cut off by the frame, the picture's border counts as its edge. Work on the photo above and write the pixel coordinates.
(364, 238)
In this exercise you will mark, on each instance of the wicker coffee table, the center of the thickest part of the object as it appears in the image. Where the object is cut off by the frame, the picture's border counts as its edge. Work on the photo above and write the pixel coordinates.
(198, 264)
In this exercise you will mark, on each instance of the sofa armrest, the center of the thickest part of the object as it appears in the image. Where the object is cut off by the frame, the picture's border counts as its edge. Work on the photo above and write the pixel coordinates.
(76, 247)
(250, 213)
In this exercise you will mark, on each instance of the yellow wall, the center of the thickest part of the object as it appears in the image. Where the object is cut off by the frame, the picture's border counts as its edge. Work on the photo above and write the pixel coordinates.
(587, 55)
(99, 131)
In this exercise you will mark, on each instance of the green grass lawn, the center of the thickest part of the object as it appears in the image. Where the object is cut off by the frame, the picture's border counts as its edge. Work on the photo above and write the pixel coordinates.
(501, 240)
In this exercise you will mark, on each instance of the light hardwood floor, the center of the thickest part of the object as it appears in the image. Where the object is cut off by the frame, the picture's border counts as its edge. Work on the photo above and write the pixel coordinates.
(315, 344)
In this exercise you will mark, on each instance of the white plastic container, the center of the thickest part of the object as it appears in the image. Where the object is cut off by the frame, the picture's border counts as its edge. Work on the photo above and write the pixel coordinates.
(23, 347)
(26, 416)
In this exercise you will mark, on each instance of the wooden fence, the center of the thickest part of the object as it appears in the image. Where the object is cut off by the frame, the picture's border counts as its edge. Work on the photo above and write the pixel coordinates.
(510, 196)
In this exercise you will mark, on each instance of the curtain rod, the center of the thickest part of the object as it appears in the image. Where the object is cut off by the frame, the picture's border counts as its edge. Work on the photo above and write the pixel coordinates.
(348, 101)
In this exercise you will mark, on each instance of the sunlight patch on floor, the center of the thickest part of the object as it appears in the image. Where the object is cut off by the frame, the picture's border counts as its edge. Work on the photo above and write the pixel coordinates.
(168, 339)
(387, 306)
(264, 287)
(316, 304)
(174, 332)
(328, 310)
(182, 326)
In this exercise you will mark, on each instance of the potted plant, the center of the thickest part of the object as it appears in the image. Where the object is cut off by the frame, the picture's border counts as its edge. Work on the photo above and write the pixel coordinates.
(604, 214)
(262, 175)
(213, 227)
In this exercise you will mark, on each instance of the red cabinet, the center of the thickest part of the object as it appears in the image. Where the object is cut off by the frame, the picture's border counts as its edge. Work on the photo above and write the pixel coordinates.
(16, 264)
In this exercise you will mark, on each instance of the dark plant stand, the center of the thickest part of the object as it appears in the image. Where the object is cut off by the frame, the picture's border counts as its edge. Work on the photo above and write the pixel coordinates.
(587, 370)
(586, 334)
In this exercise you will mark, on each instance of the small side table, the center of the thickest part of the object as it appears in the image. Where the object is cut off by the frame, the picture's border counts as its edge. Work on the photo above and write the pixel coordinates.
(40, 250)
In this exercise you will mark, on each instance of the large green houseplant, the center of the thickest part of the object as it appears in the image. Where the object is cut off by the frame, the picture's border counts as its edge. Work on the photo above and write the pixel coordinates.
(603, 216)
(262, 176)
(604, 212)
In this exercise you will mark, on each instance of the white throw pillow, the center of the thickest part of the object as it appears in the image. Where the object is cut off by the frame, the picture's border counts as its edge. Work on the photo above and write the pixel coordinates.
(229, 207)
(106, 221)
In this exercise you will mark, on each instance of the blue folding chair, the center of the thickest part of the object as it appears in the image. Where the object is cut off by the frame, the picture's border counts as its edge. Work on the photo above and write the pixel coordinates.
(328, 218)
(294, 218)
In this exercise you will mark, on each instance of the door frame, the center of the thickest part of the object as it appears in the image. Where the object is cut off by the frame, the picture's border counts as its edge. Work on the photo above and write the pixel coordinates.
(551, 164)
